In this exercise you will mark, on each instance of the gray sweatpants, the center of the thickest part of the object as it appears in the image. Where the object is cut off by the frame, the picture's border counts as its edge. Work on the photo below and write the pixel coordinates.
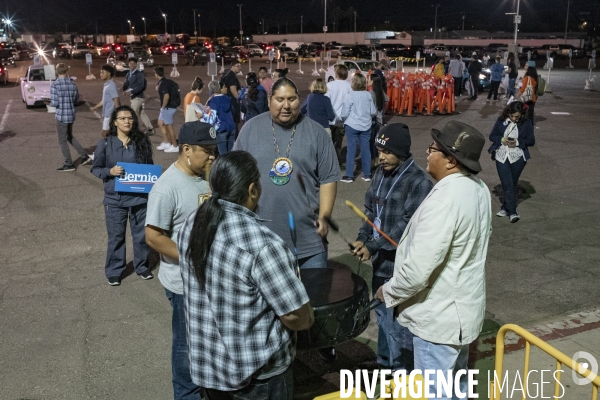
(138, 106)
(65, 136)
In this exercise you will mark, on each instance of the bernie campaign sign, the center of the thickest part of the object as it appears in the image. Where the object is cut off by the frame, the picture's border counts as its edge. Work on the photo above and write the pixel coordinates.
(137, 178)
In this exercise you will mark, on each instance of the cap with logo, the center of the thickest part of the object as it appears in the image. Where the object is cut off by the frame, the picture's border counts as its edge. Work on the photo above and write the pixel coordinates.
(461, 141)
(396, 139)
(197, 133)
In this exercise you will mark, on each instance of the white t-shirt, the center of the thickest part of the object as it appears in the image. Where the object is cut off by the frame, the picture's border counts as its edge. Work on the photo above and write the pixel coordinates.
(172, 199)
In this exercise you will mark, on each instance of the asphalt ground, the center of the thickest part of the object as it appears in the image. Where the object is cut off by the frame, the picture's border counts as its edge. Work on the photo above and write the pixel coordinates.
(66, 334)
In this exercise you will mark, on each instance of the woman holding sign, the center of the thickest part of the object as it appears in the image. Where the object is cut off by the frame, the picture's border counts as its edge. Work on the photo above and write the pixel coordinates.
(125, 144)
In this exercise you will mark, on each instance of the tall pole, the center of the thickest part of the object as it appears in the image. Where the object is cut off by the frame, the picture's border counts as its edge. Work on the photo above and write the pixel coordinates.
(324, 29)
(129, 22)
(567, 22)
(435, 22)
(301, 23)
(463, 18)
(517, 20)
(144, 19)
(166, 31)
(241, 30)
(355, 42)
(200, 25)
(195, 30)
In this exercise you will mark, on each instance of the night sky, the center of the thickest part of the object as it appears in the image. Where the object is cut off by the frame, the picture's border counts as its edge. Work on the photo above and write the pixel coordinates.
(110, 16)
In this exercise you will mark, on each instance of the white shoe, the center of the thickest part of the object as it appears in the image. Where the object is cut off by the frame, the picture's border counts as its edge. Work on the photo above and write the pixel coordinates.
(501, 213)
(91, 156)
(163, 145)
(172, 149)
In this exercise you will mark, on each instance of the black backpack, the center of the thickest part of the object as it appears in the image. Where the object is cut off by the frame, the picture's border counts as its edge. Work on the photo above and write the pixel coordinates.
(174, 96)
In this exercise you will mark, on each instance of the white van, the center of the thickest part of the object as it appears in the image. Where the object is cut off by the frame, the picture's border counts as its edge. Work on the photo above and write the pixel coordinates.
(291, 45)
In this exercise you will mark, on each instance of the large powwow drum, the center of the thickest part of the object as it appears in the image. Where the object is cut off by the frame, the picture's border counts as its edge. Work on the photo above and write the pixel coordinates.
(337, 297)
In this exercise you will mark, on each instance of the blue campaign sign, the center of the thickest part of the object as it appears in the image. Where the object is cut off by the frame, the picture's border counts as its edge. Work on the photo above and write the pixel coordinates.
(137, 178)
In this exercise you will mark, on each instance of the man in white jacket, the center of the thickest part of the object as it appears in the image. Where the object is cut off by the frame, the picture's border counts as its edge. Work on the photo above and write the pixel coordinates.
(438, 286)
(337, 91)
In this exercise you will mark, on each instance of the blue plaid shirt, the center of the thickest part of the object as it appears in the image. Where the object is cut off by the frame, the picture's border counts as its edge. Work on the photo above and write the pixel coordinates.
(63, 96)
(402, 202)
(234, 333)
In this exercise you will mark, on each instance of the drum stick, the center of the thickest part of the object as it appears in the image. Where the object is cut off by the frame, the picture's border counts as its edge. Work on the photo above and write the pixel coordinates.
(364, 217)
(292, 225)
(335, 227)
(373, 304)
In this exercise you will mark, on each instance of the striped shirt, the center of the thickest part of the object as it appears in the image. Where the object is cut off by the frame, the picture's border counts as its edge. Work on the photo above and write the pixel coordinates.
(233, 325)
(63, 96)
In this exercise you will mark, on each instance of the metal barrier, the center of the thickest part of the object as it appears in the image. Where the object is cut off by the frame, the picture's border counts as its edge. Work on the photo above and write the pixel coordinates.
(561, 359)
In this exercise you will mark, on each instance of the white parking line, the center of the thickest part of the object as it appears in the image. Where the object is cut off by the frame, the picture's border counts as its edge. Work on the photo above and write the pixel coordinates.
(5, 116)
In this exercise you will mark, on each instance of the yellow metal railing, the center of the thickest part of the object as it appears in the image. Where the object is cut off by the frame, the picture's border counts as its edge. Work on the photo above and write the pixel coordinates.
(530, 339)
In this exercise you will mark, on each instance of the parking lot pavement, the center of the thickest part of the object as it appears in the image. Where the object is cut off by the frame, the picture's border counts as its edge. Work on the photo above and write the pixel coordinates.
(66, 334)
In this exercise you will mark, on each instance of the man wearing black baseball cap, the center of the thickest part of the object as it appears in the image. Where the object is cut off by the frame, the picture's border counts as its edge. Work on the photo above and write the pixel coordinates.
(438, 286)
(398, 187)
(175, 195)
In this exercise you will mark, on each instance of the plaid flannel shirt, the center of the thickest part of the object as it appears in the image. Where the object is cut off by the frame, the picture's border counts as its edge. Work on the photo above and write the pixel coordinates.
(234, 333)
(406, 196)
(63, 96)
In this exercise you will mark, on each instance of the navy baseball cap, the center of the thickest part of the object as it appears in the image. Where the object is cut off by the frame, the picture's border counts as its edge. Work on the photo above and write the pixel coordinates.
(197, 133)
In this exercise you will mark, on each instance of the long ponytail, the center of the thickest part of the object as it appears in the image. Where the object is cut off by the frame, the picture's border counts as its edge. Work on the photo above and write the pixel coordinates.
(230, 178)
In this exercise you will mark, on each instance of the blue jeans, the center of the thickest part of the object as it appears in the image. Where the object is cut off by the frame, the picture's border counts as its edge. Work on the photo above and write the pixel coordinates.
(443, 358)
(352, 137)
(509, 178)
(510, 91)
(280, 387)
(183, 387)
(116, 226)
(394, 341)
(315, 261)
(225, 141)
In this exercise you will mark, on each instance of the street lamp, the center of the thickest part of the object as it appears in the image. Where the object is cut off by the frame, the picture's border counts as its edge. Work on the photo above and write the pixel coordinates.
(129, 22)
(144, 19)
(166, 31)
(355, 41)
(301, 23)
(517, 22)
(324, 29)
(241, 30)
(199, 25)
(195, 30)
(567, 23)
(435, 22)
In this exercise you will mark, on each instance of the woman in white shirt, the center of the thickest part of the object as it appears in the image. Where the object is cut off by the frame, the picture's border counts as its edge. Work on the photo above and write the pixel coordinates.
(511, 136)
(357, 113)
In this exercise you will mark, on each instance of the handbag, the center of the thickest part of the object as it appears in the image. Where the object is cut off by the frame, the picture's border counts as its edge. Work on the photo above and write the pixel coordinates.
(527, 95)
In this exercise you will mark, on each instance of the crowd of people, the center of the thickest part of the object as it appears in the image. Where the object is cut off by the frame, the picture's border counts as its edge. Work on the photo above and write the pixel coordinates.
(224, 236)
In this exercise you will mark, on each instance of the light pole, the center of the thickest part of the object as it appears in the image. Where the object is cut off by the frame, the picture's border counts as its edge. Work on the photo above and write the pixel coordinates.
(129, 22)
(241, 30)
(567, 22)
(166, 31)
(324, 30)
(435, 22)
(199, 25)
(144, 19)
(195, 30)
(463, 19)
(301, 23)
(517, 22)
(355, 42)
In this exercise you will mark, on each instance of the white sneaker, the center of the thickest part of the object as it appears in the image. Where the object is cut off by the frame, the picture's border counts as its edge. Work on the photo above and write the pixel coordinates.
(172, 149)
(91, 156)
(163, 145)
(501, 213)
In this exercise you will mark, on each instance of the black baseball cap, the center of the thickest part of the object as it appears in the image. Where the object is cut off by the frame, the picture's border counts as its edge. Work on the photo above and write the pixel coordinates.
(197, 133)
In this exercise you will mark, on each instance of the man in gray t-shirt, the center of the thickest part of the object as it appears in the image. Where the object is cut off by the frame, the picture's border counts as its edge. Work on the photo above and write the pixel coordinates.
(110, 97)
(174, 196)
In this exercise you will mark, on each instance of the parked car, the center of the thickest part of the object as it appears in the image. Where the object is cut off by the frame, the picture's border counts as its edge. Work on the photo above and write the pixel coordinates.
(80, 50)
(62, 50)
(121, 68)
(20, 51)
(3, 75)
(228, 55)
(252, 50)
(116, 48)
(287, 54)
(7, 58)
(142, 55)
(484, 77)
(178, 48)
(354, 67)
(35, 85)
(436, 52)
(197, 55)
(361, 51)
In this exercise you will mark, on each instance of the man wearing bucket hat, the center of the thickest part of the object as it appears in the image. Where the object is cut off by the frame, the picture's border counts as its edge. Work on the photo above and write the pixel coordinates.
(175, 195)
(398, 187)
(438, 286)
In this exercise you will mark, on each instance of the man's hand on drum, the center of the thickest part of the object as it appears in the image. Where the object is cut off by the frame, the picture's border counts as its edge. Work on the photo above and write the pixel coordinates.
(322, 227)
(379, 294)
(361, 251)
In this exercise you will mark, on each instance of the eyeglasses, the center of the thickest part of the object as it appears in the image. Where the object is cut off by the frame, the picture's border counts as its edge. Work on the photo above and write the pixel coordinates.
(123, 119)
(432, 149)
